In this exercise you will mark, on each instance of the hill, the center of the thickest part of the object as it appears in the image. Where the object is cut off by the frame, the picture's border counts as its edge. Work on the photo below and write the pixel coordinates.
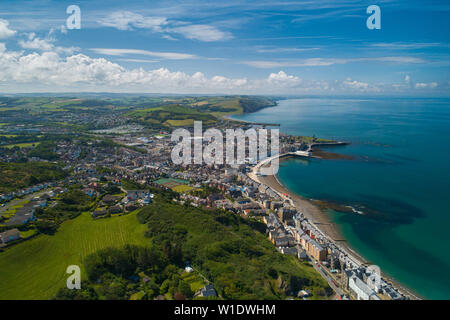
(183, 112)
(227, 250)
(230, 252)
(14, 176)
(36, 268)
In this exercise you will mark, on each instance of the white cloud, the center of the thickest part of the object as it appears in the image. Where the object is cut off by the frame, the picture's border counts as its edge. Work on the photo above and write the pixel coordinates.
(169, 37)
(49, 69)
(422, 85)
(126, 20)
(281, 78)
(164, 55)
(40, 71)
(201, 32)
(311, 62)
(323, 62)
(5, 31)
(284, 50)
(63, 29)
(35, 43)
(407, 46)
(138, 60)
(398, 59)
(355, 84)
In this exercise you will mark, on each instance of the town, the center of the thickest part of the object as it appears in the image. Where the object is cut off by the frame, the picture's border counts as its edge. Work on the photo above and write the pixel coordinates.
(99, 170)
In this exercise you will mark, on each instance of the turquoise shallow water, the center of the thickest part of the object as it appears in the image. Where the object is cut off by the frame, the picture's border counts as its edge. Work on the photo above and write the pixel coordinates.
(400, 179)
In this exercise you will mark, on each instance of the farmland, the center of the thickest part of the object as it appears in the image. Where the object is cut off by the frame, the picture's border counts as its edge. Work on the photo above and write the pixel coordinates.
(172, 116)
(69, 114)
(23, 145)
(35, 269)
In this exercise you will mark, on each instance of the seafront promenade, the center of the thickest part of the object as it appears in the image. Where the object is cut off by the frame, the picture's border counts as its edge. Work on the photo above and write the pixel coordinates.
(317, 219)
(312, 212)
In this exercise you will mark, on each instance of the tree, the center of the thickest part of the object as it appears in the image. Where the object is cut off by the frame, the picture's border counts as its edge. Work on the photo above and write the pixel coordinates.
(115, 290)
(179, 296)
(82, 294)
(47, 227)
(185, 289)
(33, 180)
(272, 273)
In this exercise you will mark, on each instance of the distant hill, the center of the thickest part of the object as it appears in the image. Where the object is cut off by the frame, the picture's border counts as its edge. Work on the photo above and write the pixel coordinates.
(183, 112)
(253, 104)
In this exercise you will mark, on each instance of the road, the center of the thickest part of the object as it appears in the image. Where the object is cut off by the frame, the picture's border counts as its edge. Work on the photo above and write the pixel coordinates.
(339, 291)
(15, 202)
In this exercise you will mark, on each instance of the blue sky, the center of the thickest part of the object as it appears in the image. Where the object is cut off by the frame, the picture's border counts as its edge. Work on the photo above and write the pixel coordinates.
(273, 47)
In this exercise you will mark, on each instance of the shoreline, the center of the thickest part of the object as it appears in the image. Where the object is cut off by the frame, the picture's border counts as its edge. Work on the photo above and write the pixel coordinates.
(318, 218)
(323, 223)
(228, 117)
(314, 214)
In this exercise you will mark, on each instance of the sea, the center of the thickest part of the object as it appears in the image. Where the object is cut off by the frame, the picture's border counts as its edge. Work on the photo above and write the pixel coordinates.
(398, 182)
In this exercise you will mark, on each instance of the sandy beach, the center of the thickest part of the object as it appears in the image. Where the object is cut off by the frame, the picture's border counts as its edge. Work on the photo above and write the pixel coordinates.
(327, 227)
(313, 213)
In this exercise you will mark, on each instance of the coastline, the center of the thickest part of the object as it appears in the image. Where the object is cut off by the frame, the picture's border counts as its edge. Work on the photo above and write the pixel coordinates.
(323, 222)
(315, 214)
(229, 117)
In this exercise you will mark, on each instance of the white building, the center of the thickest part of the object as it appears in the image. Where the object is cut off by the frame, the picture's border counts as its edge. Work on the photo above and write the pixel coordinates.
(361, 289)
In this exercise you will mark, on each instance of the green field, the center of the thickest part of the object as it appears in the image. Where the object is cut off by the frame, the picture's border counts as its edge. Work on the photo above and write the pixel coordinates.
(177, 185)
(194, 279)
(35, 269)
(179, 123)
(164, 181)
(182, 188)
(23, 145)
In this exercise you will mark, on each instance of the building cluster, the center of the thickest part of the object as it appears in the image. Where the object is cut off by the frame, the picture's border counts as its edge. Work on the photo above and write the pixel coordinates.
(5, 197)
(366, 284)
(112, 204)
(292, 233)
(22, 214)
(145, 159)
(9, 236)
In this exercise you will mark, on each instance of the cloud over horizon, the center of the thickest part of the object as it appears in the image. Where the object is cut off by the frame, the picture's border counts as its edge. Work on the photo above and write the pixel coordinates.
(207, 58)
(126, 20)
(80, 71)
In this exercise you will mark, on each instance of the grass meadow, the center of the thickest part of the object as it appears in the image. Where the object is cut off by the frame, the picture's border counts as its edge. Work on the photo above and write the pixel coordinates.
(36, 268)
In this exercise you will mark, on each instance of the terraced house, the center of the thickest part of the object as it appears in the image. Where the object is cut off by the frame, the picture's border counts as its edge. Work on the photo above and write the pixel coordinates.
(8, 236)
